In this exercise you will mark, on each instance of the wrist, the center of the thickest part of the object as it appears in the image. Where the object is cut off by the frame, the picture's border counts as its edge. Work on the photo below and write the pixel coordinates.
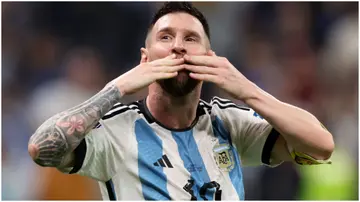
(115, 91)
(119, 92)
(248, 92)
(261, 101)
(115, 84)
(120, 89)
(120, 84)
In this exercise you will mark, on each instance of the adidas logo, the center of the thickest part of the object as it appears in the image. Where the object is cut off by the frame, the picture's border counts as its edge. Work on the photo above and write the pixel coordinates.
(162, 161)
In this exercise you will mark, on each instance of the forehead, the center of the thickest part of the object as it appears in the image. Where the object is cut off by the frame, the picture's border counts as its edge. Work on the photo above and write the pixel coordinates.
(179, 21)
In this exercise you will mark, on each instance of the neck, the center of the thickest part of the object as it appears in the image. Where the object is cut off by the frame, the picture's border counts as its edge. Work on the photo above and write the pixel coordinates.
(173, 112)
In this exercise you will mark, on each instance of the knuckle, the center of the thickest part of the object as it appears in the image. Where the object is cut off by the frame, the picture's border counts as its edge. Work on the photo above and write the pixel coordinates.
(224, 59)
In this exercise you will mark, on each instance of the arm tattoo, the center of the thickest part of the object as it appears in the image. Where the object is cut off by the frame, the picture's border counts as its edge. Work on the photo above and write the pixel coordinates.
(62, 133)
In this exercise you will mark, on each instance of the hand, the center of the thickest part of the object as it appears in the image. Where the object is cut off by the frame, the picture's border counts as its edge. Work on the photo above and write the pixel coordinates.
(220, 71)
(147, 72)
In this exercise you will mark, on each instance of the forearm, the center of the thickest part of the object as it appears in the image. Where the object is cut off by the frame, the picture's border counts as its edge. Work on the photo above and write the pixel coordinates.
(301, 130)
(52, 142)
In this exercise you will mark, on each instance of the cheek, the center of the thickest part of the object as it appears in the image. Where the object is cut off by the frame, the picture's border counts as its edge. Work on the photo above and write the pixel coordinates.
(194, 49)
(157, 52)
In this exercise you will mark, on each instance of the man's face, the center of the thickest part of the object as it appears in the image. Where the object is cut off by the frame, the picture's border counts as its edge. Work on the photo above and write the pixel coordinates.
(178, 33)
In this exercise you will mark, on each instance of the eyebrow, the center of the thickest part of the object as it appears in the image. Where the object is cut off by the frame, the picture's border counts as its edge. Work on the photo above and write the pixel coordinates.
(172, 31)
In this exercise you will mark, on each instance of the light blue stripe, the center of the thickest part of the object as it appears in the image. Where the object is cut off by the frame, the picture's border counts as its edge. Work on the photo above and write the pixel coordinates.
(235, 174)
(193, 161)
(153, 179)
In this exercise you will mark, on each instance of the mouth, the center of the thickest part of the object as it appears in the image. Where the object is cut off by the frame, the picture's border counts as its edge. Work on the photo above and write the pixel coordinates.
(182, 56)
(185, 71)
(188, 63)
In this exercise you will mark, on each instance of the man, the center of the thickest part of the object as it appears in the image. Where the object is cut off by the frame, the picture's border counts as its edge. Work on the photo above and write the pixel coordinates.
(172, 145)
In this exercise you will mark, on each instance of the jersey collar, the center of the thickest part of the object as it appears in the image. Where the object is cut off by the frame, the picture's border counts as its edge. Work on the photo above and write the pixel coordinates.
(148, 116)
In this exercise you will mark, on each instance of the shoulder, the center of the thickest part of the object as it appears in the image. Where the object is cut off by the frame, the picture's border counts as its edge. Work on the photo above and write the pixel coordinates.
(121, 114)
(221, 104)
(225, 108)
(121, 110)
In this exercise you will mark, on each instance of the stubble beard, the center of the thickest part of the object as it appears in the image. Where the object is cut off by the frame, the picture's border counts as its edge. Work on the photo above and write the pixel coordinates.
(180, 85)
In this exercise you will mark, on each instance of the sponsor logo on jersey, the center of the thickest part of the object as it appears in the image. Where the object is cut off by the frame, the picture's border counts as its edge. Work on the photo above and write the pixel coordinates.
(163, 162)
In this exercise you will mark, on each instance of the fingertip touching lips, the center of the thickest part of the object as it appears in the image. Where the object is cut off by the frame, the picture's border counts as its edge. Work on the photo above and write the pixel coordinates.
(179, 56)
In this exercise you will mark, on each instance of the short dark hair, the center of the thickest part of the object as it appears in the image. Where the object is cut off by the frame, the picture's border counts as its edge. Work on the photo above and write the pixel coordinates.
(185, 7)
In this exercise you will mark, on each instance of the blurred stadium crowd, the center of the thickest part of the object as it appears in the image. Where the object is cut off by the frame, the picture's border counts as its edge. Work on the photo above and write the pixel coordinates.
(57, 55)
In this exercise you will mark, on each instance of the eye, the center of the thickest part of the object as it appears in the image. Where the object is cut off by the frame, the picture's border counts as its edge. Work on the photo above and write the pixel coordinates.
(165, 37)
(191, 39)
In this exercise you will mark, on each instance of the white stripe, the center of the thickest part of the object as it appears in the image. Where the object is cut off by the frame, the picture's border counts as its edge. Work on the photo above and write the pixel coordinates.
(225, 104)
(221, 99)
(205, 143)
(116, 104)
(205, 103)
(134, 107)
(206, 106)
(176, 177)
(128, 177)
(126, 181)
(116, 109)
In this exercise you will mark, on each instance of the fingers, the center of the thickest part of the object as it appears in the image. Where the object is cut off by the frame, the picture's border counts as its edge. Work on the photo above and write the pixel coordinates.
(159, 61)
(166, 75)
(172, 68)
(203, 60)
(165, 72)
(168, 61)
(204, 73)
(201, 69)
(172, 56)
(168, 69)
(204, 77)
(171, 62)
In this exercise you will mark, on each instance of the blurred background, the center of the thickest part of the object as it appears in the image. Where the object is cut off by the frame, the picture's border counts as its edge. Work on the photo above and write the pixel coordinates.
(57, 55)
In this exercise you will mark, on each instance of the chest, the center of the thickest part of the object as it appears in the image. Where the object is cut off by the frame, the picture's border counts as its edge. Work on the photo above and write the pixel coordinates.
(198, 163)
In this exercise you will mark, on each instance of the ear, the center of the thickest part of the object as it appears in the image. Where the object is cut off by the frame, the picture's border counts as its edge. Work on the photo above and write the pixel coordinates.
(144, 55)
(211, 53)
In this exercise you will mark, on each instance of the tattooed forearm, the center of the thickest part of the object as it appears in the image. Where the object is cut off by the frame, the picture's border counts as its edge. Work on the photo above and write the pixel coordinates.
(62, 133)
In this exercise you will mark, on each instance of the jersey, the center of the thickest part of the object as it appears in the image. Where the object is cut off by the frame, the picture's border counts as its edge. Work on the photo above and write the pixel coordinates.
(135, 157)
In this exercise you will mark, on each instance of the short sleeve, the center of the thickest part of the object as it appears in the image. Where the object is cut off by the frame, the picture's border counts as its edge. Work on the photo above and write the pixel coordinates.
(101, 153)
(94, 157)
(252, 135)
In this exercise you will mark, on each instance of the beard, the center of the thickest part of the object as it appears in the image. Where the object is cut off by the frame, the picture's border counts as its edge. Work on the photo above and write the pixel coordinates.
(180, 85)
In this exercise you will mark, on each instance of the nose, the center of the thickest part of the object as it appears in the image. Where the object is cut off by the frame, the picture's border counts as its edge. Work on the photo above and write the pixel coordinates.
(178, 47)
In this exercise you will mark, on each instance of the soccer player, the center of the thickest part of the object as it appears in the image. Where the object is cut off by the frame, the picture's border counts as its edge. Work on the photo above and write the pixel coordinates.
(172, 145)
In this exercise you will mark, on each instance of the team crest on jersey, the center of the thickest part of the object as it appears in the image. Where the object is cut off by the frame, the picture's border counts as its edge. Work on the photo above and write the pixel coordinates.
(224, 157)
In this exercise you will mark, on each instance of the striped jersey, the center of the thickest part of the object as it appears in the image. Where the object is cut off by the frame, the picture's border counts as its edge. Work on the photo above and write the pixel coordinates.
(135, 157)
